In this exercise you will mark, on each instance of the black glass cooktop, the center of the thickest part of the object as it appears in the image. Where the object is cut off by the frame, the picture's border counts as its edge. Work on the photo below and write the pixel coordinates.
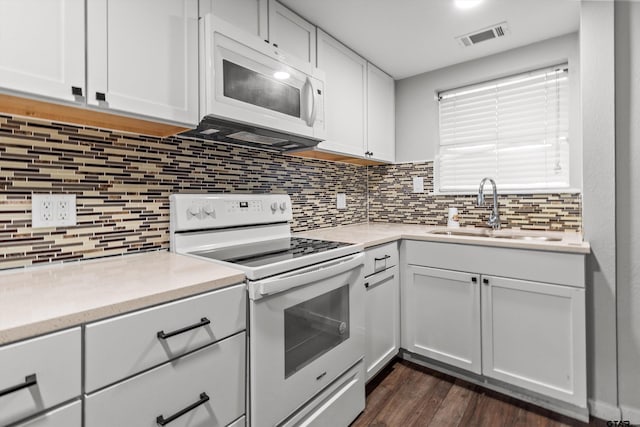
(269, 252)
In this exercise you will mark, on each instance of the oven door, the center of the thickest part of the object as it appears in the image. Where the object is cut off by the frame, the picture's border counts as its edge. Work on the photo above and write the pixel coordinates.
(250, 81)
(306, 329)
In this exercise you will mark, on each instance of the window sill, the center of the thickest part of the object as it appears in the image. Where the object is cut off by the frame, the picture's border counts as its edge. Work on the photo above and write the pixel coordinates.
(487, 191)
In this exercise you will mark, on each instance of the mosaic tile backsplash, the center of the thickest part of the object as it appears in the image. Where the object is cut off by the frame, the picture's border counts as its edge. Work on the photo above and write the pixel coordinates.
(391, 200)
(122, 184)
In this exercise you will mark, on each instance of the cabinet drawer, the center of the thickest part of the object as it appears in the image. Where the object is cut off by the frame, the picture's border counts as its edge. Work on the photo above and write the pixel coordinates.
(67, 416)
(54, 360)
(380, 258)
(126, 345)
(217, 371)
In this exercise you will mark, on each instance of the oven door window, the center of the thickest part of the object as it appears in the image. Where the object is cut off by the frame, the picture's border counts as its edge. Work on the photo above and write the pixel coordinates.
(314, 327)
(254, 88)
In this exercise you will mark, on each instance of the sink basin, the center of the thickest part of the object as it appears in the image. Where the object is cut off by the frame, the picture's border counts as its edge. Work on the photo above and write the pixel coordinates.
(479, 233)
(499, 235)
(526, 237)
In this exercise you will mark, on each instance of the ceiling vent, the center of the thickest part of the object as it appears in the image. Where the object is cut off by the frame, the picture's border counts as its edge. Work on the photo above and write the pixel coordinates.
(492, 32)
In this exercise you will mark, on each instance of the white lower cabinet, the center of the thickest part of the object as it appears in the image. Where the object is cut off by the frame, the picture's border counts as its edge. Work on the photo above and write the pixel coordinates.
(204, 388)
(67, 416)
(525, 333)
(382, 308)
(533, 336)
(38, 374)
(442, 316)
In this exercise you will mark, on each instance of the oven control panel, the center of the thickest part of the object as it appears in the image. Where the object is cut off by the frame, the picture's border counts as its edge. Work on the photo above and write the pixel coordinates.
(202, 211)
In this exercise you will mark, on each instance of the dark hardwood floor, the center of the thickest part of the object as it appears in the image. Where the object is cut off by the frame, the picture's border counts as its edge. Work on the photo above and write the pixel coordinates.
(406, 394)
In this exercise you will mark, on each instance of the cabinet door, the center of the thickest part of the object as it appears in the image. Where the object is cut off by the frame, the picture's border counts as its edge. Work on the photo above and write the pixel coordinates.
(42, 45)
(291, 33)
(249, 15)
(345, 96)
(382, 320)
(381, 118)
(533, 336)
(441, 316)
(39, 374)
(143, 57)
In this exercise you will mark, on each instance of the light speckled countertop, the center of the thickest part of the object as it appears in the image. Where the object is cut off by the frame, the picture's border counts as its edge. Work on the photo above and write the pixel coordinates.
(44, 299)
(376, 233)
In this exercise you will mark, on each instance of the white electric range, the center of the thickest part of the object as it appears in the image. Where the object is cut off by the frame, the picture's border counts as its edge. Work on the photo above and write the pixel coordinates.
(306, 304)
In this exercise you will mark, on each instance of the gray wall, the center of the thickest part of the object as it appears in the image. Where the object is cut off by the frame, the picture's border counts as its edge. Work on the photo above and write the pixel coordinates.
(627, 71)
(598, 130)
(417, 108)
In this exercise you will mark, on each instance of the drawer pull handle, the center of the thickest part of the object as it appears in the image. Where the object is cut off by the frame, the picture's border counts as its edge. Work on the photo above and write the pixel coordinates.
(29, 380)
(203, 322)
(366, 285)
(204, 398)
(382, 258)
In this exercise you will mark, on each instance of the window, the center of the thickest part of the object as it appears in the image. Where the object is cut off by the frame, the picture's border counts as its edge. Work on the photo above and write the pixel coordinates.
(515, 130)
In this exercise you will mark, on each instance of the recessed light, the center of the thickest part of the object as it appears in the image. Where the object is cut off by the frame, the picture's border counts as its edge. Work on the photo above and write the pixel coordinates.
(466, 4)
(281, 75)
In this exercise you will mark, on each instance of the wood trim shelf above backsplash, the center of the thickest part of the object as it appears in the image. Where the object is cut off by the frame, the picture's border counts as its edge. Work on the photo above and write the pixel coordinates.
(27, 107)
(333, 157)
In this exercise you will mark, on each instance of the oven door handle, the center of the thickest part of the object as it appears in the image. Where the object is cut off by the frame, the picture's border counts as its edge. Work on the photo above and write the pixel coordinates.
(309, 275)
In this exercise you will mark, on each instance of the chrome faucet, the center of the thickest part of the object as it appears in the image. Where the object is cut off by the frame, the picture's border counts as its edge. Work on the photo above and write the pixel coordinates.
(494, 218)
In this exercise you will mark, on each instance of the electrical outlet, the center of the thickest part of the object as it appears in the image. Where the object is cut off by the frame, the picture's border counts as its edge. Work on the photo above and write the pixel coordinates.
(418, 184)
(341, 201)
(53, 210)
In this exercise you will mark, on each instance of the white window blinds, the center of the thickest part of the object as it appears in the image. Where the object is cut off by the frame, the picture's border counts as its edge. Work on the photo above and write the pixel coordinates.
(514, 130)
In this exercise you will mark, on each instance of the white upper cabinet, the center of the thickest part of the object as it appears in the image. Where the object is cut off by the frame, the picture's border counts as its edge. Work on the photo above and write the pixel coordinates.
(345, 96)
(42, 47)
(143, 57)
(381, 118)
(291, 33)
(249, 15)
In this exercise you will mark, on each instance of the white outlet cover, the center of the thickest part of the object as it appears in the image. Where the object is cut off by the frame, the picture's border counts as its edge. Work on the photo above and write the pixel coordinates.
(341, 201)
(53, 210)
(418, 184)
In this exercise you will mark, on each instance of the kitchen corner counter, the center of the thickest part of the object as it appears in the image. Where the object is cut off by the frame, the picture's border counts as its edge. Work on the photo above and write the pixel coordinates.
(376, 233)
(44, 299)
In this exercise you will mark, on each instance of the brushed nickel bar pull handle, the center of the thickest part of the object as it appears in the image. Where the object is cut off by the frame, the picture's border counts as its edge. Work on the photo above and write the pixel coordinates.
(204, 398)
(203, 322)
(29, 380)
(382, 258)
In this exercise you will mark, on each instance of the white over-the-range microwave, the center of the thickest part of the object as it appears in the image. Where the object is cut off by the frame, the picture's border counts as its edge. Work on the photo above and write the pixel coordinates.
(253, 93)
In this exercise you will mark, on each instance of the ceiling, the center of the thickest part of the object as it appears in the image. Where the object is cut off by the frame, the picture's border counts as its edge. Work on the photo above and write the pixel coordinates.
(408, 37)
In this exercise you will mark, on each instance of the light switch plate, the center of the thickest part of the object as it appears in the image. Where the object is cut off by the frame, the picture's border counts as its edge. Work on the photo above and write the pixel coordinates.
(418, 184)
(341, 201)
(53, 210)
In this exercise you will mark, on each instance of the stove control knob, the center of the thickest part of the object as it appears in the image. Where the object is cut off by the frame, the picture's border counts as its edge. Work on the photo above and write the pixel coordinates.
(283, 206)
(192, 211)
(274, 207)
(209, 211)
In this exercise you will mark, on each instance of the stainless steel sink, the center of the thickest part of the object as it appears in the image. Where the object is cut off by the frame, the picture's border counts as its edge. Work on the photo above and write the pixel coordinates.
(498, 235)
(527, 237)
(479, 233)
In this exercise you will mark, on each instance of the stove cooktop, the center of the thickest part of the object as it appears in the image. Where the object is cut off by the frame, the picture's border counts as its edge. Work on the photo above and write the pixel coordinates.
(269, 252)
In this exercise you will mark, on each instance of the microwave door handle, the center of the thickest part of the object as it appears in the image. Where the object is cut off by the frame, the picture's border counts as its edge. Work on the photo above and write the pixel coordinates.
(311, 96)
(275, 285)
